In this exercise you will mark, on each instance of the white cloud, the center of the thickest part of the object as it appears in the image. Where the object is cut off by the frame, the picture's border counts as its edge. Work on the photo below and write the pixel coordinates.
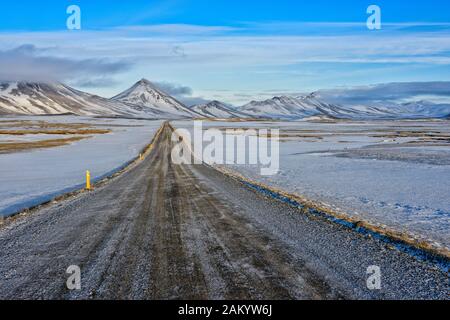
(210, 58)
(240, 48)
(181, 93)
(388, 92)
(177, 29)
(30, 63)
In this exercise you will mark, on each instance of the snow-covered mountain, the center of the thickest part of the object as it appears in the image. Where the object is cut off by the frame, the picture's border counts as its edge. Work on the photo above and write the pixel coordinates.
(421, 109)
(289, 108)
(294, 108)
(55, 98)
(150, 99)
(219, 110)
(277, 107)
(141, 100)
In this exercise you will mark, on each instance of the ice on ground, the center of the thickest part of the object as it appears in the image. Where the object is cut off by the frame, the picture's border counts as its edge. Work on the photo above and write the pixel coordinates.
(391, 173)
(35, 176)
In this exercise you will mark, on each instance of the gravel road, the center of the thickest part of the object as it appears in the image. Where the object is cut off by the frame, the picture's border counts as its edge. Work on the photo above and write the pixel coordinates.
(161, 231)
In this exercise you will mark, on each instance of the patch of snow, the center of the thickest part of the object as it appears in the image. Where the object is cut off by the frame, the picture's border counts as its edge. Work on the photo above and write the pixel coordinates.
(32, 177)
(403, 187)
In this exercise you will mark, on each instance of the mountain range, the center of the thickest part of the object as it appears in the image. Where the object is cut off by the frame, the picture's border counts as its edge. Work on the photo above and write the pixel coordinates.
(296, 108)
(142, 100)
(145, 100)
(55, 98)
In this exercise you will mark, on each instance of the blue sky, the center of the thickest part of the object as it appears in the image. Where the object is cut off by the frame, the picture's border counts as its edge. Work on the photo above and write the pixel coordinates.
(49, 15)
(234, 51)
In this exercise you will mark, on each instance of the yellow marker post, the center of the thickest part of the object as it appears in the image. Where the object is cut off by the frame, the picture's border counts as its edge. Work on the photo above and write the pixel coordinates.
(141, 157)
(88, 180)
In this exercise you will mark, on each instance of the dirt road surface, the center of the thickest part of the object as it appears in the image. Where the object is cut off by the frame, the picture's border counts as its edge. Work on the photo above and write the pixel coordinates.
(162, 231)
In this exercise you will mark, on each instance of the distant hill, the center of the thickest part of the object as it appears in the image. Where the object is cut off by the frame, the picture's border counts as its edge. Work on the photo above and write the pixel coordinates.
(29, 98)
(219, 110)
(296, 108)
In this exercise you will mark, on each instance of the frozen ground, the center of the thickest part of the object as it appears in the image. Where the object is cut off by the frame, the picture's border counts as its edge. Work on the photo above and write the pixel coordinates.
(395, 174)
(30, 177)
(161, 231)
